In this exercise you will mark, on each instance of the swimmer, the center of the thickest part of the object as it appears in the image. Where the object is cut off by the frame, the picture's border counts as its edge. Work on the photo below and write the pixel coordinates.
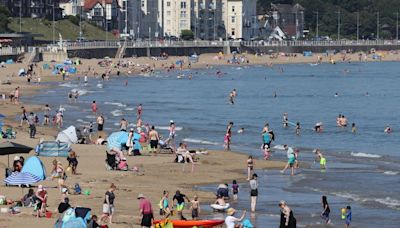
(231, 98)
(353, 128)
(388, 130)
(241, 130)
(275, 95)
(318, 127)
(234, 93)
(336, 94)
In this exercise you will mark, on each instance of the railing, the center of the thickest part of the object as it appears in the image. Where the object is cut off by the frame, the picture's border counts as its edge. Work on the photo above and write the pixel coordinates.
(305, 43)
(11, 50)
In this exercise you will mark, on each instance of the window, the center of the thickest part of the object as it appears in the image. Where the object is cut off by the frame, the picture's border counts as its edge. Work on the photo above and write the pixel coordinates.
(168, 22)
(143, 3)
(183, 5)
(233, 8)
(233, 31)
(183, 14)
(97, 11)
(233, 19)
(168, 13)
(182, 24)
(168, 4)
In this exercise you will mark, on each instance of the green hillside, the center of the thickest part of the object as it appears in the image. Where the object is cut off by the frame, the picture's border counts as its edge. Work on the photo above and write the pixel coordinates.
(67, 29)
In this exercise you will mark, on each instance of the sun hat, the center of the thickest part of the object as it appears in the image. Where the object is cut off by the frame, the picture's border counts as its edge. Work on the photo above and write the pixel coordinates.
(140, 196)
(230, 211)
(64, 190)
(171, 121)
(16, 158)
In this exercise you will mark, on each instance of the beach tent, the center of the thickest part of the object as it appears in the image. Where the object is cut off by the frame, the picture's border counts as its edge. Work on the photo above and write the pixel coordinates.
(21, 72)
(307, 53)
(9, 61)
(74, 223)
(34, 166)
(68, 136)
(53, 149)
(68, 62)
(117, 140)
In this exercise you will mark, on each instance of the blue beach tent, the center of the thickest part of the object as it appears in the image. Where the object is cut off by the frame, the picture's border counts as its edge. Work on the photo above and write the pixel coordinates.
(34, 165)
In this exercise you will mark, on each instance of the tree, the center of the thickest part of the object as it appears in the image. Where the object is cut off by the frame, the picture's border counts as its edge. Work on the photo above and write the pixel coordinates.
(4, 15)
(187, 34)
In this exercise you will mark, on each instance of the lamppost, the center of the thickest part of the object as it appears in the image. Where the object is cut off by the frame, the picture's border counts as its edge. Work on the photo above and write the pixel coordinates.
(317, 25)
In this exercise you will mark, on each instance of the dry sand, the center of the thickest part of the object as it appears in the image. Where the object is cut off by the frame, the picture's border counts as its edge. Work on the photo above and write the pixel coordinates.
(160, 172)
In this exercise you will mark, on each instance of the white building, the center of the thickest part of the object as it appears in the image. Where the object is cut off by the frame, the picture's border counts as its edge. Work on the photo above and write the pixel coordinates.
(240, 18)
(71, 7)
(176, 16)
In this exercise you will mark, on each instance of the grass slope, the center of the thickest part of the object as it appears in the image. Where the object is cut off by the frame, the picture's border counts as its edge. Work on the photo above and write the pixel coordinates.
(66, 28)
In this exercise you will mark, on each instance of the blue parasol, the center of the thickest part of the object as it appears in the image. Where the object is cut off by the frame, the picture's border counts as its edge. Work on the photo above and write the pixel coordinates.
(22, 178)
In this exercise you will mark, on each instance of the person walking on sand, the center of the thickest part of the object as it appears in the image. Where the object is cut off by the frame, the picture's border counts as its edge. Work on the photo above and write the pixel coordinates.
(230, 220)
(253, 192)
(165, 208)
(94, 107)
(108, 205)
(171, 137)
(250, 167)
(326, 210)
(154, 138)
(146, 212)
(32, 125)
(46, 119)
(287, 218)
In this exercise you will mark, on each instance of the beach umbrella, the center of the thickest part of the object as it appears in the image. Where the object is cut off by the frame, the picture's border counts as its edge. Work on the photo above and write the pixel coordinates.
(117, 139)
(22, 178)
(8, 148)
(2, 116)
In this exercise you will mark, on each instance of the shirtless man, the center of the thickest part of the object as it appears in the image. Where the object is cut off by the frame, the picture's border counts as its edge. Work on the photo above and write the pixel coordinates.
(285, 120)
(123, 124)
(153, 135)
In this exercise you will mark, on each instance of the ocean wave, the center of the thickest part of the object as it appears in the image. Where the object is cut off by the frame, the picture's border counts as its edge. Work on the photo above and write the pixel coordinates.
(387, 201)
(67, 84)
(115, 103)
(99, 85)
(116, 112)
(279, 147)
(167, 128)
(199, 141)
(365, 155)
(129, 109)
(90, 117)
(81, 121)
(81, 92)
(390, 173)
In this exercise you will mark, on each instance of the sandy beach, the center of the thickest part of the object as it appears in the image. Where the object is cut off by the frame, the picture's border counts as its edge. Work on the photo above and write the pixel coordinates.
(159, 172)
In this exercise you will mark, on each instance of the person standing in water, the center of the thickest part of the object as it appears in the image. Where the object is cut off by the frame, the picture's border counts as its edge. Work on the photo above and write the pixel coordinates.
(253, 192)
(94, 107)
(46, 119)
(139, 111)
(298, 128)
(321, 158)
(100, 122)
(353, 128)
(287, 218)
(291, 159)
(153, 135)
(231, 98)
(348, 217)
(250, 167)
(171, 138)
(285, 120)
(228, 136)
(326, 210)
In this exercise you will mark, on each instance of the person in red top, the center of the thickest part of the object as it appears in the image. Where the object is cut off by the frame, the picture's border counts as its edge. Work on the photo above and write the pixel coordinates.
(41, 198)
(146, 211)
(94, 107)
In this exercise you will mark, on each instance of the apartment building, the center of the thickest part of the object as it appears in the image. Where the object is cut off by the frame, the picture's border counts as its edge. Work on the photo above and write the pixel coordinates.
(206, 19)
(176, 16)
(240, 18)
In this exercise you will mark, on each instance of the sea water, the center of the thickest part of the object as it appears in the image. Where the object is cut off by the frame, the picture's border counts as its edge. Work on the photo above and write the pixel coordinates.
(363, 168)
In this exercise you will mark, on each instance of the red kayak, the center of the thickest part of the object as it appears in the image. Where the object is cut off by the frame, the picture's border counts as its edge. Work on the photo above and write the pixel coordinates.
(192, 223)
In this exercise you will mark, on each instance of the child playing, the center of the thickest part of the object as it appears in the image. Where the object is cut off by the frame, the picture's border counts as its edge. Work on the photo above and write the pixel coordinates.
(348, 216)
(164, 205)
(195, 208)
(250, 167)
(235, 190)
(72, 161)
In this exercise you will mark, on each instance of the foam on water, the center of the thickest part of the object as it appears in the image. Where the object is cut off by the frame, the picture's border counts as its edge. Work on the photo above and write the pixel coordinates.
(116, 112)
(199, 141)
(81, 92)
(129, 109)
(67, 84)
(387, 201)
(115, 103)
(279, 147)
(390, 173)
(167, 128)
(365, 155)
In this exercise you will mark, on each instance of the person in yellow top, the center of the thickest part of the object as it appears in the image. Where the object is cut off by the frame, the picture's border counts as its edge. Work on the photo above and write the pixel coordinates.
(322, 159)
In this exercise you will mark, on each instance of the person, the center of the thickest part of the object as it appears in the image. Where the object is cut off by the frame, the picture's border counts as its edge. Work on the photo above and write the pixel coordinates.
(165, 209)
(17, 164)
(123, 124)
(85, 80)
(154, 137)
(253, 191)
(139, 111)
(58, 173)
(129, 142)
(267, 139)
(46, 119)
(291, 159)
(100, 122)
(250, 167)
(296, 158)
(235, 190)
(171, 138)
(230, 220)
(100, 141)
(94, 107)
(285, 120)
(388, 129)
(59, 119)
(231, 98)
(348, 217)
(108, 205)
(228, 136)
(353, 128)
(93, 222)
(241, 130)
(16, 96)
(24, 117)
(220, 200)
(195, 208)
(28, 199)
(318, 127)
(180, 203)
(64, 196)
(72, 161)
(298, 128)
(338, 120)
(321, 158)
(146, 211)
(287, 218)
(326, 210)
(41, 201)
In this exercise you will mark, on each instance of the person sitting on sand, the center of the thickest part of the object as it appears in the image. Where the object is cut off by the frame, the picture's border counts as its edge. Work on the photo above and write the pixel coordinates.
(230, 220)
(100, 141)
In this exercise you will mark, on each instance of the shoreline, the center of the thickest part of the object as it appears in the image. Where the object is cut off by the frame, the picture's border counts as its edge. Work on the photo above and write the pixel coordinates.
(98, 179)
